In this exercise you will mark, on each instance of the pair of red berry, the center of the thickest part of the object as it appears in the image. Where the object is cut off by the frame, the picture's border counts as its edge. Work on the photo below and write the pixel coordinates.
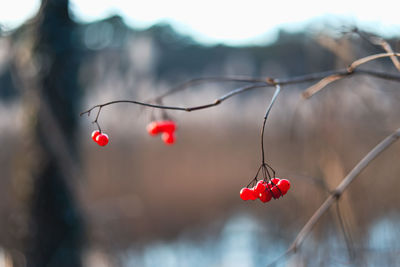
(100, 138)
(167, 128)
(266, 191)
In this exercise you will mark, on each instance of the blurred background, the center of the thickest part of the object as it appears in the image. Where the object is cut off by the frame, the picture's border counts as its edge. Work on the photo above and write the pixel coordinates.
(64, 201)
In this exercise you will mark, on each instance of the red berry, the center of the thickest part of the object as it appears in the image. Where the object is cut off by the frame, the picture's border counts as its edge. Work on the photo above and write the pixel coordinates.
(95, 134)
(265, 196)
(275, 192)
(153, 128)
(260, 187)
(168, 138)
(246, 193)
(275, 181)
(167, 126)
(102, 139)
(284, 186)
(253, 195)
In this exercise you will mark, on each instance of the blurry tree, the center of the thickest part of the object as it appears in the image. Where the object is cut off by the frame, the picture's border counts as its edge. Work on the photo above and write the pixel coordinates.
(55, 225)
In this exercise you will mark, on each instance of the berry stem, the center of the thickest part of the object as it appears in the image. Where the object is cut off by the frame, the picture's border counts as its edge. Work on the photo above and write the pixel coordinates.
(263, 163)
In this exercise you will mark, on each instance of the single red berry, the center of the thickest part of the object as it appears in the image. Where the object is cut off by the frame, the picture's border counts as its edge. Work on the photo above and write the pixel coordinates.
(284, 186)
(153, 128)
(275, 192)
(167, 126)
(253, 195)
(260, 187)
(168, 138)
(95, 134)
(275, 181)
(265, 196)
(246, 193)
(102, 139)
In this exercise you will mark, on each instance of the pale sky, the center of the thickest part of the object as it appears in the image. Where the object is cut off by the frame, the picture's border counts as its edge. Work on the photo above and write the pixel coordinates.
(231, 22)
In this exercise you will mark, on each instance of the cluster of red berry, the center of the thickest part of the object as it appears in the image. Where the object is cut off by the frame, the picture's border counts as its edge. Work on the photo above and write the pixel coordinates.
(100, 138)
(167, 128)
(265, 191)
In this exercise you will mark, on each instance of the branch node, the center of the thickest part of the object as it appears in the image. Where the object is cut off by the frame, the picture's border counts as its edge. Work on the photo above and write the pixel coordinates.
(336, 194)
(270, 80)
(350, 69)
(306, 95)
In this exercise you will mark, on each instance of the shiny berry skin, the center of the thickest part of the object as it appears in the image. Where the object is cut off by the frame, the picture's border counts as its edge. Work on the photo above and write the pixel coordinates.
(284, 186)
(246, 194)
(168, 138)
(153, 128)
(253, 195)
(265, 196)
(95, 134)
(166, 126)
(275, 192)
(260, 187)
(275, 181)
(102, 139)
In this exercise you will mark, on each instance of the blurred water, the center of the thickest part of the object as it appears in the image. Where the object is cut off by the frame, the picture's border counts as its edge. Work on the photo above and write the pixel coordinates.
(244, 241)
(384, 242)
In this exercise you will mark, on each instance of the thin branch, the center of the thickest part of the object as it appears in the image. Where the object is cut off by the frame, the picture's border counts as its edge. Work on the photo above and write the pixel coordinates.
(378, 41)
(386, 46)
(349, 71)
(324, 77)
(277, 91)
(364, 60)
(339, 191)
(188, 109)
(327, 77)
(202, 80)
(346, 233)
(381, 75)
(270, 82)
(321, 84)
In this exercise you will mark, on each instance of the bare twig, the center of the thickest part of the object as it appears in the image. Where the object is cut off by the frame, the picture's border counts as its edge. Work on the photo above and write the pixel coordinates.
(277, 91)
(349, 71)
(385, 45)
(270, 82)
(375, 40)
(203, 80)
(321, 84)
(346, 233)
(327, 77)
(338, 192)
(364, 60)
(188, 109)
(265, 168)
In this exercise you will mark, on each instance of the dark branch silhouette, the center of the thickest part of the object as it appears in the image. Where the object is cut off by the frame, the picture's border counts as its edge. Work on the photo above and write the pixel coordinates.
(332, 75)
